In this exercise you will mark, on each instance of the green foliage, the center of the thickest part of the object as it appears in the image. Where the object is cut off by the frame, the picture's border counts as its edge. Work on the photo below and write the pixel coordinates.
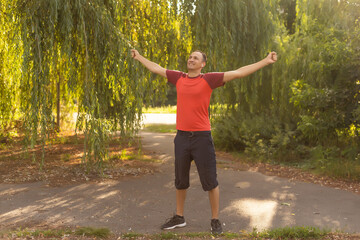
(326, 94)
(132, 235)
(309, 98)
(93, 232)
(288, 14)
(278, 233)
(77, 53)
(291, 233)
(247, 28)
(324, 88)
(335, 162)
(166, 235)
(27, 233)
(89, 62)
(249, 116)
(197, 235)
(10, 52)
(59, 233)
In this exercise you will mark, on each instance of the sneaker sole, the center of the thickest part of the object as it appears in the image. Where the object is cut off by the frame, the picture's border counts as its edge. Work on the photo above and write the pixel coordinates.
(175, 226)
(215, 232)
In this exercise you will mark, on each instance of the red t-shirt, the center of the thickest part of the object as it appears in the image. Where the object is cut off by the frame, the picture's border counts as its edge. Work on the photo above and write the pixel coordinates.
(193, 98)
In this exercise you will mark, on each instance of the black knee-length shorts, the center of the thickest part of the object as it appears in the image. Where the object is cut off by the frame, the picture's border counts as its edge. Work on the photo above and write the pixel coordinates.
(197, 146)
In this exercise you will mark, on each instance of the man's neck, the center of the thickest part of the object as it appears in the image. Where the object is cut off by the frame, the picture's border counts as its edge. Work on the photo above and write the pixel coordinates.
(194, 73)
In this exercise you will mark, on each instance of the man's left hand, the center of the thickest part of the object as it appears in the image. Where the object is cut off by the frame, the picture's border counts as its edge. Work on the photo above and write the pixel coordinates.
(271, 58)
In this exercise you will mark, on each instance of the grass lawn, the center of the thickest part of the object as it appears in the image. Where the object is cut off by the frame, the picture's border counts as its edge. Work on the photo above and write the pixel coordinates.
(164, 109)
(160, 128)
(295, 233)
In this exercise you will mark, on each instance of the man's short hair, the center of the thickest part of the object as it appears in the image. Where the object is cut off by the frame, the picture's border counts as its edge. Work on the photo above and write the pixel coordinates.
(203, 55)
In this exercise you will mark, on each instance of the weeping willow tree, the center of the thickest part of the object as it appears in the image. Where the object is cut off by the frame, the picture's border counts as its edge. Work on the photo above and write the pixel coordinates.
(161, 31)
(10, 52)
(78, 53)
(309, 98)
(75, 53)
(234, 34)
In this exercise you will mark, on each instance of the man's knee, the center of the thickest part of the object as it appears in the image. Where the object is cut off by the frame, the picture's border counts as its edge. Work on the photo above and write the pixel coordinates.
(181, 185)
(208, 186)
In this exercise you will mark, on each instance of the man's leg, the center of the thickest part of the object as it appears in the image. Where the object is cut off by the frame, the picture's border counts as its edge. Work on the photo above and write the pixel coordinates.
(177, 220)
(180, 201)
(205, 160)
(214, 202)
(182, 168)
(216, 227)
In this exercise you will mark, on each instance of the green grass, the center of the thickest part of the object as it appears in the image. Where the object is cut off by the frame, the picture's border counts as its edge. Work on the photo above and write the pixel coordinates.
(24, 233)
(166, 235)
(208, 235)
(198, 235)
(335, 167)
(334, 162)
(126, 155)
(160, 128)
(291, 233)
(56, 233)
(132, 235)
(93, 232)
(295, 233)
(164, 109)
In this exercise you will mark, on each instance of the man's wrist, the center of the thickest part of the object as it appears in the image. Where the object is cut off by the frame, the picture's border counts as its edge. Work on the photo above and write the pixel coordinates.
(266, 61)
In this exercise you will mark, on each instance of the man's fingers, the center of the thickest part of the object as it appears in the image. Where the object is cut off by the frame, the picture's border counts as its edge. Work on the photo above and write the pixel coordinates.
(133, 53)
(274, 56)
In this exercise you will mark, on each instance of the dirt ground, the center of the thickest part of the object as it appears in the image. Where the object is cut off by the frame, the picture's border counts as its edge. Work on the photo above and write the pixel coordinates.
(63, 163)
(134, 192)
(291, 173)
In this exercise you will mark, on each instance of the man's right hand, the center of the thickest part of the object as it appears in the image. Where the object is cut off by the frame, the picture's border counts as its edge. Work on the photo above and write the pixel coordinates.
(153, 67)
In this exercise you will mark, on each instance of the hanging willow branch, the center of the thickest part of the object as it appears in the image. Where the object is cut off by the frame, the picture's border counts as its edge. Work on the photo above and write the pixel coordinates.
(234, 34)
(10, 58)
(85, 34)
(87, 43)
(93, 39)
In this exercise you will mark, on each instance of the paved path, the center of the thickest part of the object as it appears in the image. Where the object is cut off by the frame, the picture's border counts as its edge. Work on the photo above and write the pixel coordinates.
(163, 118)
(141, 204)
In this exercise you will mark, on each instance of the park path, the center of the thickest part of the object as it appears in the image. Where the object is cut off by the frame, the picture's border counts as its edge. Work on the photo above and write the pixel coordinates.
(163, 118)
(141, 204)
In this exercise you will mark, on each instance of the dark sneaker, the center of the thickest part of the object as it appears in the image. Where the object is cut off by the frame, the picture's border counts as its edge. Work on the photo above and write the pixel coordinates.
(216, 227)
(174, 222)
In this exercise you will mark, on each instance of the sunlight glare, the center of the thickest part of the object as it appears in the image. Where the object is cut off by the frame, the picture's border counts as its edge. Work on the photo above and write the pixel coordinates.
(260, 212)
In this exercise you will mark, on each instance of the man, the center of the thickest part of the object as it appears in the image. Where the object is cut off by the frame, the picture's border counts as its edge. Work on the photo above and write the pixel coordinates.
(193, 140)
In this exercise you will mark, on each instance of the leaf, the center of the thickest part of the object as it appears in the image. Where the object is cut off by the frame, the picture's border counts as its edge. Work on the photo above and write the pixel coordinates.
(286, 204)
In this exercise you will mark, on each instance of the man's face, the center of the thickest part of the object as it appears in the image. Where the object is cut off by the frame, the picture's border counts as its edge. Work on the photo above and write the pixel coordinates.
(195, 61)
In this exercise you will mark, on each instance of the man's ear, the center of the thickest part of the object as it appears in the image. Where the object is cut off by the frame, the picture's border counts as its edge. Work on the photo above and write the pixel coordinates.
(203, 65)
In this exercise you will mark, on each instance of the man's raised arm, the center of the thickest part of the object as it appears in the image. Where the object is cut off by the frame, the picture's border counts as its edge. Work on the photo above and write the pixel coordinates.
(249, 69)
(153, 67)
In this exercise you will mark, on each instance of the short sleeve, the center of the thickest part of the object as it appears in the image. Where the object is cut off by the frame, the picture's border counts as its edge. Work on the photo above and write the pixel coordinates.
(215, 79)
(173, 76)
